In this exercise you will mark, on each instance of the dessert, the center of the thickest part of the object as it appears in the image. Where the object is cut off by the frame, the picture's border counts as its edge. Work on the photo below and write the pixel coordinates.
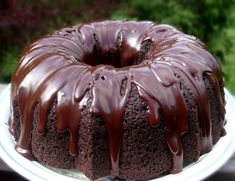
(122, 98)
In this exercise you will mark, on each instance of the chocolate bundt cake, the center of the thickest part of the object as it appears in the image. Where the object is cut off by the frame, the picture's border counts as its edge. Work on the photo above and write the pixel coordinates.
(122, 98)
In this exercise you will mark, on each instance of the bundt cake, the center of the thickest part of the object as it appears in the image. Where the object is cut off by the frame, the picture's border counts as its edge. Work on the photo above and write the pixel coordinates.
(123, 98)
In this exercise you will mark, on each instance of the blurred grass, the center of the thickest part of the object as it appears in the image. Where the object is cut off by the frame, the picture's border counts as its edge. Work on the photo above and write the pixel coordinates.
(229, 67)
(8, 63)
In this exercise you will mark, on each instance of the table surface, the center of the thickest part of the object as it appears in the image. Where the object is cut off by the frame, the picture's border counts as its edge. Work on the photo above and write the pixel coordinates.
(226, 172)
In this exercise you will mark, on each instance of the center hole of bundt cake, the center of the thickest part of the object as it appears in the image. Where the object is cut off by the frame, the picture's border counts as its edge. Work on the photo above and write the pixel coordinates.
(117, 54)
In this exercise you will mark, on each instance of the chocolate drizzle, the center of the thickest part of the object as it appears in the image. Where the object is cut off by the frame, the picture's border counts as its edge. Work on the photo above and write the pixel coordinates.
(99, 57)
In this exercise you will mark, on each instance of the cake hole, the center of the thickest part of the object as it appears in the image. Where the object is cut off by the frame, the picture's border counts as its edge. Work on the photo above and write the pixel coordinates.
(102, 77)
(119, 53)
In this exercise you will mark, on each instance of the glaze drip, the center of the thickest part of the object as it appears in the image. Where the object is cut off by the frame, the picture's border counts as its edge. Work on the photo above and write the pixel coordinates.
(100, 57)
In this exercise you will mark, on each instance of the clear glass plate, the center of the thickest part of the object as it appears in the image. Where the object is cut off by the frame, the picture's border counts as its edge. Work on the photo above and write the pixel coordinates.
(32, 170)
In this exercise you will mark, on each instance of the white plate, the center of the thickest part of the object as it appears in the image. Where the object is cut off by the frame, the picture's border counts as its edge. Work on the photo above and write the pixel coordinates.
(32, 170)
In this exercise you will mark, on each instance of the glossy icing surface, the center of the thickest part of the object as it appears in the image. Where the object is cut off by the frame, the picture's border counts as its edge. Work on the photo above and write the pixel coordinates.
(100, 57)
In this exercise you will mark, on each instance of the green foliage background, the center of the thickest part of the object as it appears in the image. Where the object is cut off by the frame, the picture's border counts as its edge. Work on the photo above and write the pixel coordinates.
(206, 19)
(212, 21)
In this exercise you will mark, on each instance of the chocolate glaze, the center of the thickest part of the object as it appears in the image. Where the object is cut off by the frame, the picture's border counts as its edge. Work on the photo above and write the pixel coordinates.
(99, 57)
